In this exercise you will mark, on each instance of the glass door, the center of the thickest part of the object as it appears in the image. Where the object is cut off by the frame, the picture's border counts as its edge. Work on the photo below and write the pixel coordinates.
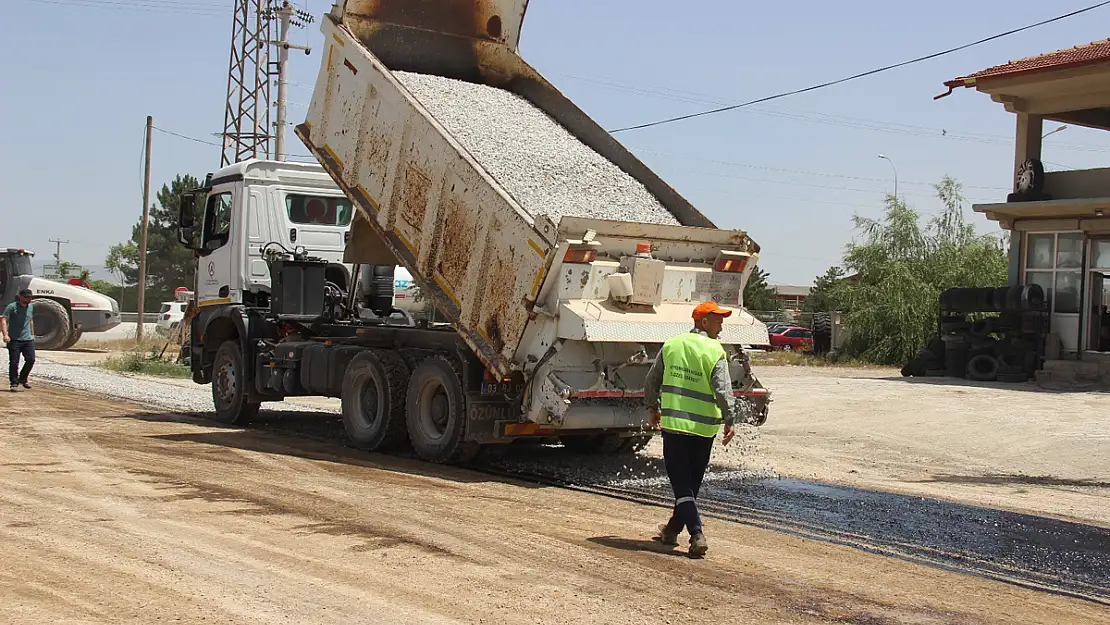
(1098, 297)
(1054, 260)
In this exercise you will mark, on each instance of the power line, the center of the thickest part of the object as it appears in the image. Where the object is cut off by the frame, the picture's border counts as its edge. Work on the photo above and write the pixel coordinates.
(861, 74)
(188, 138)
(815, 116)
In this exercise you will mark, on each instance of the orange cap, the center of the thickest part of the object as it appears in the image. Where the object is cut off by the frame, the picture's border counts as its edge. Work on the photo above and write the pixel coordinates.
(710, 308)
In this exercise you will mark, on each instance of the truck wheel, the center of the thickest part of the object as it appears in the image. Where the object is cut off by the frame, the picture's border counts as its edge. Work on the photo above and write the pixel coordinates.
(51, 324)
(229, 392)
(435, 413)
(74, 336)
(374, 389)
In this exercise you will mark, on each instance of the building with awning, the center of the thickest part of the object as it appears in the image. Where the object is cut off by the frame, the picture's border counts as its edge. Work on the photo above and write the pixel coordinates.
(1059, 221)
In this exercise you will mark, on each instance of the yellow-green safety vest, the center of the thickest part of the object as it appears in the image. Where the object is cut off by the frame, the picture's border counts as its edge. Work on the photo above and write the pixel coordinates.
(689, 404)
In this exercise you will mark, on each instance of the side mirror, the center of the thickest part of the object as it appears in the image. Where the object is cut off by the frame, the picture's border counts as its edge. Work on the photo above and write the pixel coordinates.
(186, 220)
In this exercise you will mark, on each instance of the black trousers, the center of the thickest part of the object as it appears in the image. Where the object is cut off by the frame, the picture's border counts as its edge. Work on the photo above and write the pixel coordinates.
(686, 457)
(15, 350)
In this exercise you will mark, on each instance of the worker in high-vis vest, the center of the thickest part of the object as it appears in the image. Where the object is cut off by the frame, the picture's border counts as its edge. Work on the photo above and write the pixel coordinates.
(689, 395)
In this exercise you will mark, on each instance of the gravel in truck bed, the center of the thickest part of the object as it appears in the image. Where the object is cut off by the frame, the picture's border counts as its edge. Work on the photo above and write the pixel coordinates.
(542, 166)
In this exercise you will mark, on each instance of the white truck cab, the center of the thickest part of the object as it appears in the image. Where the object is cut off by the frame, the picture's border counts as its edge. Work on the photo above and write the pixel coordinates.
(256, 204)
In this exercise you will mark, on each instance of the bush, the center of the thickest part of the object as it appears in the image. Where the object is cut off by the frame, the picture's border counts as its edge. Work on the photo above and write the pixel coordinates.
(901, 269)
(146, 363)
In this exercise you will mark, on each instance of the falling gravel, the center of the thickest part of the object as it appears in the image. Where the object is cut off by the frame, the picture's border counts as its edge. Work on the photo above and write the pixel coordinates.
(545, 168)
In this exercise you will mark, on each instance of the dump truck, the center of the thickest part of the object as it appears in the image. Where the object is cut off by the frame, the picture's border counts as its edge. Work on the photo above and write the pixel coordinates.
(62, 312)
(556, 262)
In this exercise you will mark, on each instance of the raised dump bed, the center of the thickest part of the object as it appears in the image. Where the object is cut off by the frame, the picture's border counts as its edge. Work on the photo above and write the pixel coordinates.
(488, 185)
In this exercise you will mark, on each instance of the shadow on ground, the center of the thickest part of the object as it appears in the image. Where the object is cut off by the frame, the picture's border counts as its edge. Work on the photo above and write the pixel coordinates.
(632, 544)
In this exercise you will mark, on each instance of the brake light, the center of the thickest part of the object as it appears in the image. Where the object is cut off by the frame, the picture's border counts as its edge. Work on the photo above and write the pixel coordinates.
(730, 265)
(166, 316)
(580, 256)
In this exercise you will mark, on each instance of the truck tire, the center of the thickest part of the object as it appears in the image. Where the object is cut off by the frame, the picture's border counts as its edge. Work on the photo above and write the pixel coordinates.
(51, 324)
(435, 413)
(374, 389)
(229, 393)
(71, 340)
(982, 368)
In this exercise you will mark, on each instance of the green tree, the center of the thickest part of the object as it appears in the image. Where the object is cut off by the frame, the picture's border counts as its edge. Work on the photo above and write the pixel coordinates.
(168, 263)
(901, 268)
(758, 295)
(824, 296)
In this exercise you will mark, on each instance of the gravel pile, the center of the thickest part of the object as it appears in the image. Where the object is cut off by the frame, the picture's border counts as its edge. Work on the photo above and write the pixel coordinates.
(545, 168)
(196, 399)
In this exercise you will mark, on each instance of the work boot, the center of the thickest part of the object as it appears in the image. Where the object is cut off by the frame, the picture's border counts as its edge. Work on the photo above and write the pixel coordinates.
(667, 537)
(698, 545)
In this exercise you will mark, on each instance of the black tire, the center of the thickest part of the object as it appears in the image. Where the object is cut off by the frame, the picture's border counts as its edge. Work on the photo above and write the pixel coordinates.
(1029, 180)
(1011, 363)
(982, 368)
(1032, 297)
(822, 322)
(51, 324)
(1013, 298)
(374, 394)
(1013, 378)
(998, 298)
(983, 328)
(229, 392)
(71, 340)
(435, 413)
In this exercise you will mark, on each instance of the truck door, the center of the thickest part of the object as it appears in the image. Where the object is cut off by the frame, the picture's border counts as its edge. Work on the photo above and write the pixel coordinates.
(217, 264)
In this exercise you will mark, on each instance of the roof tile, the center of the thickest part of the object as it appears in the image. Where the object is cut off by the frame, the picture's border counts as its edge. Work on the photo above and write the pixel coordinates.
(1086, 54)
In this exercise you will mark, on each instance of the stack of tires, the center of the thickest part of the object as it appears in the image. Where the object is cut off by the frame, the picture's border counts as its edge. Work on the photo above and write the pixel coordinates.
(822, 333)
(1002, 347)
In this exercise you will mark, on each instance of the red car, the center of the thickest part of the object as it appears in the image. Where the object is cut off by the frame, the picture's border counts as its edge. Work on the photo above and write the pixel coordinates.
(790, 338)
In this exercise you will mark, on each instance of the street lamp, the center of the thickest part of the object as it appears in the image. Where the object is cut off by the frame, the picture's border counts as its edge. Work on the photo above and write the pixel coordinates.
(887, 159)
(1058, 129)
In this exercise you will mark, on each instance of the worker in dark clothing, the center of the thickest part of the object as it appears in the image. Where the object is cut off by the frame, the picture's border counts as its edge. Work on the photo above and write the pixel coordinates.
(689, 394)
(18, 330)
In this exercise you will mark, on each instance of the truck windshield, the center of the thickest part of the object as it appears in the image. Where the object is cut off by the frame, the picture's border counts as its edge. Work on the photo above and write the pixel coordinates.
(21, 265)
(318, 210)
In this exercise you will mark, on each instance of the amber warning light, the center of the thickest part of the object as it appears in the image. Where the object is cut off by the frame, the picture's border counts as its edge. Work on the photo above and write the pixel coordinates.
(580, 256)
(731, 262)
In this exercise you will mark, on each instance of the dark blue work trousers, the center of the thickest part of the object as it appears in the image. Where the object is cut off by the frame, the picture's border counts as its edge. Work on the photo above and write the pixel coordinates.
(15, 350)
(686, 457)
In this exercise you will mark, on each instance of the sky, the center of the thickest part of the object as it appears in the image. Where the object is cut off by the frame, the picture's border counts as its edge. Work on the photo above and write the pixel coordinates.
(79, 77)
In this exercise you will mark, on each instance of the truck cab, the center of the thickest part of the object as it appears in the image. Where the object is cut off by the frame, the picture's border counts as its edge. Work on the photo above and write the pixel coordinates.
(254, 206)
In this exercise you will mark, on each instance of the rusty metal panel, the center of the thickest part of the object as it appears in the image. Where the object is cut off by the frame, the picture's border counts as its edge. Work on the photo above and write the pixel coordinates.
(473, 250)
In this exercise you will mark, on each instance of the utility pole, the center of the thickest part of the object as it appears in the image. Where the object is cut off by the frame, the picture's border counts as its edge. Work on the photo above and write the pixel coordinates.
(58, 254)
(287, 15)
(142, 230)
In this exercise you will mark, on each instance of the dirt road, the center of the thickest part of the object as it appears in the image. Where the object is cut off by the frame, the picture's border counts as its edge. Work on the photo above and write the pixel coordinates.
(113, 514)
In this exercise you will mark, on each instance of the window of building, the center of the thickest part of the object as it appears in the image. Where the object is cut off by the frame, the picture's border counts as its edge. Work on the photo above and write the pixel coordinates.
(1055, 262)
